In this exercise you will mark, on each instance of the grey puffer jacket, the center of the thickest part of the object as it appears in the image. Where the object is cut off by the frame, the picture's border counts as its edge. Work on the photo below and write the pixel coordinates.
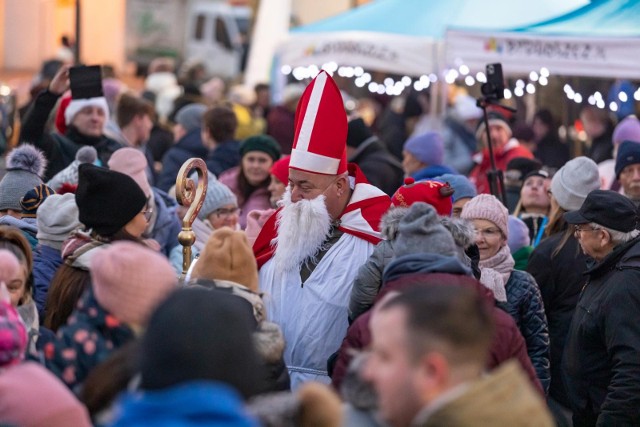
(524, 304)
(368, 282)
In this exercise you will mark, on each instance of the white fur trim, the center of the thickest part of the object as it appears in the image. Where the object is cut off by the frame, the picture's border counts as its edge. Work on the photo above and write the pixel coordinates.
(312, 162)
(78, 104)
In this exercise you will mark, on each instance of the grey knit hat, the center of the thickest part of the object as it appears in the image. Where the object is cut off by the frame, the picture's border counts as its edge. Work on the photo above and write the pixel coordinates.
(574, 181)
(190, 116)
(420, 231)
(57, 218)
(217, 196)
(25, 166)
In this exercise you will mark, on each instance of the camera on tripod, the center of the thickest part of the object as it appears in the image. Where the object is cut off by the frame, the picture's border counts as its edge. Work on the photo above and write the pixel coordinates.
(493, 89)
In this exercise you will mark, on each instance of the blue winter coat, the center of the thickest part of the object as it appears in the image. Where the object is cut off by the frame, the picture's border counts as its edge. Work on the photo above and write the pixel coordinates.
(45, 264)
(195, 403)
(187, 147)
(524, 304)
(167, 226)
(225, 156)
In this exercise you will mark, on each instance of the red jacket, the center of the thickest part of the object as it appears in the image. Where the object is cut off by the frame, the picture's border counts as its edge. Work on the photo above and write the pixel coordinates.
(507, 344)
(510, 151)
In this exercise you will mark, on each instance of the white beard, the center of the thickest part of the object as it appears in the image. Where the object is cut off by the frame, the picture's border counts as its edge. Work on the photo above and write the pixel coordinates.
(302, 229)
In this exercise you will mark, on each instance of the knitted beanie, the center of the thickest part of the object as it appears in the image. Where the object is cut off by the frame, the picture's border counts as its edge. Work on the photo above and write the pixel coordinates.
(518, 234)
(69, 175)
(190, 116)
(628, 154)
(29, 382)
(420, 231)
(263, 143)
(627, 130)
(357, 133)
(201, 334)
(428, 148)
(495, 119)
(130, 280)
(573, 181)
(32, 200)
(280, 169)
(218, 195)
(132, 162)
(434, 193)
(57, 218)
(228, 256)
(487, 207)
(25, 165)
(76, 105)
(107, 200)
(462, 187)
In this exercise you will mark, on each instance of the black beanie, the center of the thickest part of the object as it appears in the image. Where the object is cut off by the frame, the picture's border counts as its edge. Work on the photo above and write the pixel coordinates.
(358, 133)
(201, 334)
(107, 200)
(263, 143)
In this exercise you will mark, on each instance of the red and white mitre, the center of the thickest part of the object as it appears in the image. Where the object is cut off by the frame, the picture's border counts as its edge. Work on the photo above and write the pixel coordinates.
(320, 141)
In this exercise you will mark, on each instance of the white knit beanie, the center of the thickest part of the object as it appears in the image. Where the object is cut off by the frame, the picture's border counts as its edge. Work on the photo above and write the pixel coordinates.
(574, 181)
(78, 104)
(488, 207)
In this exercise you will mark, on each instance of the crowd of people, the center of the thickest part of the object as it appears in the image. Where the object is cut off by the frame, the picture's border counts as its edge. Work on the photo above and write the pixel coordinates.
(350, 265)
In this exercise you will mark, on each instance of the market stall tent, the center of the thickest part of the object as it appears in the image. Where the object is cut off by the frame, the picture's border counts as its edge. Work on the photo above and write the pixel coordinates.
(600, 39)
(405, 36)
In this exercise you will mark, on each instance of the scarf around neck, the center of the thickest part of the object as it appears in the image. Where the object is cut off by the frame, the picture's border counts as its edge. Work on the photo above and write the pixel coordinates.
(496, 272)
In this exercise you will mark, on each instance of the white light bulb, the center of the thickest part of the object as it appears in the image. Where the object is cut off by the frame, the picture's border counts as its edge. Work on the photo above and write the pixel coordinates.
(469, 80)
(507, 94)
(285, 69)
(531, 88)
(358, 71)
(613, 107)
(406, 80)
(577, 98)
(544, 72)
(622, 96)
(543, 81)
(464, 70)
(533, 76)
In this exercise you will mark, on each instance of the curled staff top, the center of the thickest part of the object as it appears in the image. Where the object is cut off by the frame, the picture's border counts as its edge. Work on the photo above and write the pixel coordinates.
(187, 193)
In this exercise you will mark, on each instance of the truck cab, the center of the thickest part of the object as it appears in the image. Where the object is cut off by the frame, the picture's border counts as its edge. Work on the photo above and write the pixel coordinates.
(216, 35)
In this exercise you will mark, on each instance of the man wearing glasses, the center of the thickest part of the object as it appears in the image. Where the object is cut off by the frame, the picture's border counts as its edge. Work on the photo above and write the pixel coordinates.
(602, 356)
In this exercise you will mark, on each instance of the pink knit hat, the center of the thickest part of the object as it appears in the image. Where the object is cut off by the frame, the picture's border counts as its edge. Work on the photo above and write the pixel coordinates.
(488, 207)
(130, 280)
(132, 162)
(26, 383)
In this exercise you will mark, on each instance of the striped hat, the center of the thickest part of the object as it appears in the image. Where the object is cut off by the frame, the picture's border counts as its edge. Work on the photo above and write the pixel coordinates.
(320, 140)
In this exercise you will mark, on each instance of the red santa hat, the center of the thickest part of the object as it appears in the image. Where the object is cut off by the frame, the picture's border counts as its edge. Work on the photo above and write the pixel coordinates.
(320, 141)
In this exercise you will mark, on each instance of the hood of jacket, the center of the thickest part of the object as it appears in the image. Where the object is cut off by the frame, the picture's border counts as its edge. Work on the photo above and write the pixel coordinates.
(196, 403)
(422, 264)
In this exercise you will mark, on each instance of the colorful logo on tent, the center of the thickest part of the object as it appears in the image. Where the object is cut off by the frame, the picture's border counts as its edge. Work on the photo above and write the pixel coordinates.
(310, 50)
(492, 45)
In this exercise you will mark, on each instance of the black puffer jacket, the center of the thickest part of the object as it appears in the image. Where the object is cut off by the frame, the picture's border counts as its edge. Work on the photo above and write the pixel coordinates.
(524, 304)
(602, 355)
(378, 165)
(560, 279)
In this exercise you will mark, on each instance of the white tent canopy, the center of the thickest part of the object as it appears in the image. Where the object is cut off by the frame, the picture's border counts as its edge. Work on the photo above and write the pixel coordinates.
(391, 53)
(601, 39)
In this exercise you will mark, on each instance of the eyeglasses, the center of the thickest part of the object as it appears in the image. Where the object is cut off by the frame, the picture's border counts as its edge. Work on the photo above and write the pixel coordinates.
(148, 213)
(225, 213)
(577, 230)
(489, 232)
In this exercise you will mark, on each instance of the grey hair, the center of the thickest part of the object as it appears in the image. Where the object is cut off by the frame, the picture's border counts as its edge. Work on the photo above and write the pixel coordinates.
(617, 237)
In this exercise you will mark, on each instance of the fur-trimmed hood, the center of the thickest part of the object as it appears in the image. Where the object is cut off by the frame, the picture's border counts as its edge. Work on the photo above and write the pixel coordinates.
(461, 229)
(269, 341)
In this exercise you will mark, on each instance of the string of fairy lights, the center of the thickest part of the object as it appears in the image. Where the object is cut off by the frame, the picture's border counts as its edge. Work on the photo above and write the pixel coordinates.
(460, 74)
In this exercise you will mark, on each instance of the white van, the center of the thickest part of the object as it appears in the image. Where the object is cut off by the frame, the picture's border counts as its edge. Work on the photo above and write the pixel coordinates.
(216, 34)
(209, 30)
